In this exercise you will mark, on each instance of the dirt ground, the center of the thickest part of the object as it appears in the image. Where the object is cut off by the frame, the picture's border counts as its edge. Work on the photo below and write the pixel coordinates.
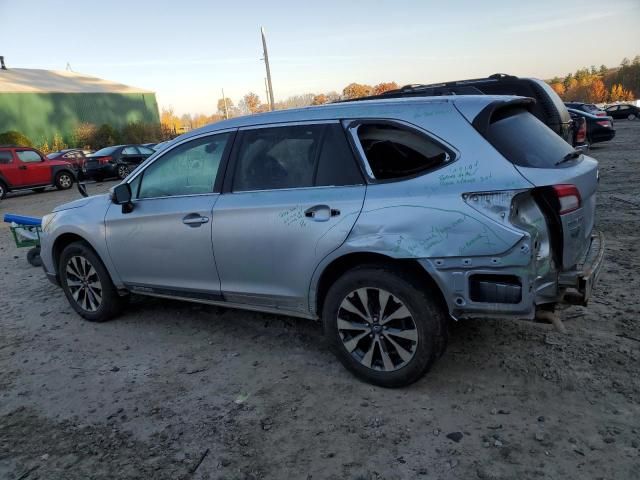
(178, 391)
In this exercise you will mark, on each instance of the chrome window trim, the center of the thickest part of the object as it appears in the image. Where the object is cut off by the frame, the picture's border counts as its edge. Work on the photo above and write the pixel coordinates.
(295, 189)
(137, 200)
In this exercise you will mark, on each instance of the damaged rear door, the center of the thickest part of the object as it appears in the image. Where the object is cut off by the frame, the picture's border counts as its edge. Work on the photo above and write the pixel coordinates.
(566, 180)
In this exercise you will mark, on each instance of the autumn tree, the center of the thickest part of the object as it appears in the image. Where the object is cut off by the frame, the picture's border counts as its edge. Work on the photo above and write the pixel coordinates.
(620, 94)
(319, 99)
(384, 87)
(356, 90)
(251, 102)
(597, 92)
(221, 106)
(169, 120)
(558, 87)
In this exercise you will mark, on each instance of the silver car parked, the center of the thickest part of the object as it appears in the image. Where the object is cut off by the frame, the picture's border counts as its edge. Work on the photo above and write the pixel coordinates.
(382, 218)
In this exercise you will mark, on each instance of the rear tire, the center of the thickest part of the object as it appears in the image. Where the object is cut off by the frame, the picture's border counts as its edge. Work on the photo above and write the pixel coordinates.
(631, 116)
(87, 284)
(123, 171)
(64, 180)
(390, 345)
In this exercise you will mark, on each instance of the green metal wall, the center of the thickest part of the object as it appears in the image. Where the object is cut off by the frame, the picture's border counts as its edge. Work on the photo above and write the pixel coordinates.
(40, 115)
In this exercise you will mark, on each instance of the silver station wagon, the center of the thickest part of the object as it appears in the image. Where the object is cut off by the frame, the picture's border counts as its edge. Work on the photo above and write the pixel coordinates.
(384, 219)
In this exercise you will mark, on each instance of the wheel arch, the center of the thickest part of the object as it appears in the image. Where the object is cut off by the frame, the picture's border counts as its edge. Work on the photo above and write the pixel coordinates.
(62, 241)
(342, 264)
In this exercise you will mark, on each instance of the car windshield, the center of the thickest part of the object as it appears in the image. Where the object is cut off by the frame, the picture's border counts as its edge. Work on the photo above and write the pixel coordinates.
(104, 151)
(55, 155)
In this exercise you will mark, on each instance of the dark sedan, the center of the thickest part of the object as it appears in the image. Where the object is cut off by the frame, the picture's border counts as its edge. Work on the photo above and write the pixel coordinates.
(75, 156)
(116, 161)
(599, 129)
(623, 111)
(586, 107)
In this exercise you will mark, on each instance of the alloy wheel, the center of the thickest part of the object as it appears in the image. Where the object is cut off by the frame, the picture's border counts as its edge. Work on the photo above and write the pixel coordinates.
(377, 329)
(65, 181)
(123, 171)
(84, 284)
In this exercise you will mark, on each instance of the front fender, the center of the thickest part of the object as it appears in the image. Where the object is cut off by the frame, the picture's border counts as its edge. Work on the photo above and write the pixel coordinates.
(86, 223)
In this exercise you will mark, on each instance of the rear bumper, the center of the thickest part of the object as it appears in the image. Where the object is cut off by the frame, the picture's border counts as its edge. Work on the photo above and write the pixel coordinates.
(602, 135)
(580, 282)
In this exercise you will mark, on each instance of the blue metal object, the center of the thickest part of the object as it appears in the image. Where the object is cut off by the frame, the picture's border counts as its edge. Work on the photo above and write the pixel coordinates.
(22, 220)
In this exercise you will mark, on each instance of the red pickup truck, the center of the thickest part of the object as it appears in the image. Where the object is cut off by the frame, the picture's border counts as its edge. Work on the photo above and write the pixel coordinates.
(24, 168)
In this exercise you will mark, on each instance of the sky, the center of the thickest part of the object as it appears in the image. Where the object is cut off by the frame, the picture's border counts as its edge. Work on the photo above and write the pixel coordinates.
(187, 51)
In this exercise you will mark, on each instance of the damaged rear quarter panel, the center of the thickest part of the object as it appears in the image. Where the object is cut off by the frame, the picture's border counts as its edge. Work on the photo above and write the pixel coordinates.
(427, 218)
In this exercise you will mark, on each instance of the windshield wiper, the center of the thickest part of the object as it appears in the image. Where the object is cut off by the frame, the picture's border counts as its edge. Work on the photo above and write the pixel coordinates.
(569, 156)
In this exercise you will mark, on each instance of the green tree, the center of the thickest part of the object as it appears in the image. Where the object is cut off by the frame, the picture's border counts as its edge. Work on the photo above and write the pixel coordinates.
(105, 136)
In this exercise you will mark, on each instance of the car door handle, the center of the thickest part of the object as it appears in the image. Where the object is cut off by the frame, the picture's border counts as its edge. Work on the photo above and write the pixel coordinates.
(194, 220)
(321, 213)
(22, 167)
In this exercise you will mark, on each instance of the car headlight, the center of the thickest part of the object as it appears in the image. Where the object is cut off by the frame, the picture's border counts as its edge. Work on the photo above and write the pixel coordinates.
(47, 220)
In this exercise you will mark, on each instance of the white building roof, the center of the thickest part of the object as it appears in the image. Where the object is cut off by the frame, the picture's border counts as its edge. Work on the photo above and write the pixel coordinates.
(31, 80)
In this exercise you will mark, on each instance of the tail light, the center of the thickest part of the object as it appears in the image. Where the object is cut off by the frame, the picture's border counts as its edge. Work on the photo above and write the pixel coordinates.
(604, 123)
(568, 198)
(581, 136)
(104, 160)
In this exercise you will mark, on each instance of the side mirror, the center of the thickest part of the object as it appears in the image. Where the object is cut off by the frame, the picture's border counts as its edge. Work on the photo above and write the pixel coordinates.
(122, 196)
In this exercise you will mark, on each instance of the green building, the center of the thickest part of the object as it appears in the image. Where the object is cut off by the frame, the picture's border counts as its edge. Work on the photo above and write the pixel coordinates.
(40, 103)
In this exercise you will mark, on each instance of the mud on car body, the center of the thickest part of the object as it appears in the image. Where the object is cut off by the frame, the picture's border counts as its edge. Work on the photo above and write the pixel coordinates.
(381, 218)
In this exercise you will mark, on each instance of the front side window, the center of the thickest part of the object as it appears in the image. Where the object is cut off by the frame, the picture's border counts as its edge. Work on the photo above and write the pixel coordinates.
(189, 169)
(394, 151)
(28, 156)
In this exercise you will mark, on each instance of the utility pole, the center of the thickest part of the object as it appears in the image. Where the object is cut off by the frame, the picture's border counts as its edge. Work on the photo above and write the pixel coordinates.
(266, 63)
(266, 90)
(224, 100)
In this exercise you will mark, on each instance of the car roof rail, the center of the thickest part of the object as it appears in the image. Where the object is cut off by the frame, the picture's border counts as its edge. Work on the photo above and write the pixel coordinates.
(457, 87)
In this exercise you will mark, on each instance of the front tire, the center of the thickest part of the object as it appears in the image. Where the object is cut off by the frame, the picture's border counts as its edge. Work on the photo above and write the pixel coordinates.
(87, 284)
(64, 180)
(384, 325)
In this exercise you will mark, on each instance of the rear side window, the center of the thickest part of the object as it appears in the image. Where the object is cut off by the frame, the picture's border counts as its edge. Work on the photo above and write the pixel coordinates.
(525, 141)
(5, 157)
(295, 156)
(396, 152)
